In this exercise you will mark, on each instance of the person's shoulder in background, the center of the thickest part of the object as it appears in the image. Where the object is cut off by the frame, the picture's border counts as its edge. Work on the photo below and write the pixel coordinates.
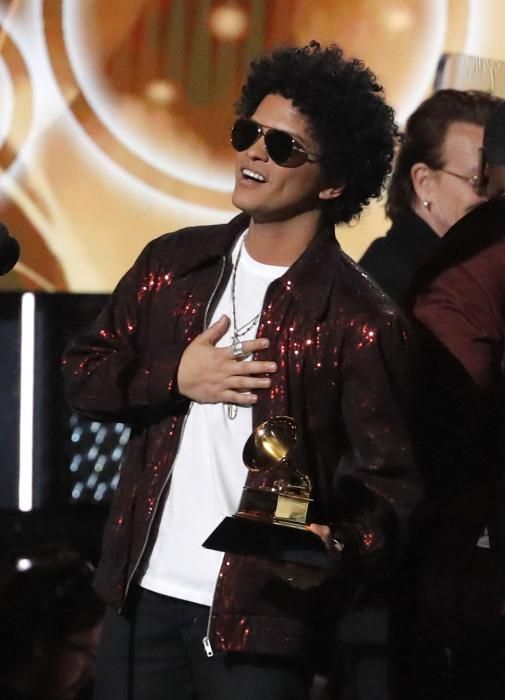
(392, 260)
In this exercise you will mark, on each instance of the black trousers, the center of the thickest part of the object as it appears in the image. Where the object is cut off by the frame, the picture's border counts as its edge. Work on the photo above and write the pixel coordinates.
(154, 651)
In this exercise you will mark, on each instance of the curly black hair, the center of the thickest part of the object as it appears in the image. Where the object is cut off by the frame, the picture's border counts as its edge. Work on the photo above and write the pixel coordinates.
(348, 117)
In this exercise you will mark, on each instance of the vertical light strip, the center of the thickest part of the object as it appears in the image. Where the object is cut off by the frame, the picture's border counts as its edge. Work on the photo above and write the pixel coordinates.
(474, 28)
(25, 488)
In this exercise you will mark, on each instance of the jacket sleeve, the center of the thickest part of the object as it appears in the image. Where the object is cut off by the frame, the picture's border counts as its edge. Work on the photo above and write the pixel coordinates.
(456, 309)
(110, 374)
(377, 484)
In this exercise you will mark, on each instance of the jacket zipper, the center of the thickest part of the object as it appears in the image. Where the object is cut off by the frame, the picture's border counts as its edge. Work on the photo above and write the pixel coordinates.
(206, 640)
(167, 478)
(146, 539)
(211, 298)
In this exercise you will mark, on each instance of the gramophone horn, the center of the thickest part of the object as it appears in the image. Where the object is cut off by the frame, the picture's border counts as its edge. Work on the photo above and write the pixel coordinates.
(270, 444)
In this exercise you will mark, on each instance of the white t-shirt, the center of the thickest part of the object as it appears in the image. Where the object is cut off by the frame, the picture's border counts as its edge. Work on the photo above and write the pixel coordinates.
(208, 473)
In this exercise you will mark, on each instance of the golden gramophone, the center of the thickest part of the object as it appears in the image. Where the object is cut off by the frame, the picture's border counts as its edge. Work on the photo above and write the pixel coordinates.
(271, 521)
(286, 502)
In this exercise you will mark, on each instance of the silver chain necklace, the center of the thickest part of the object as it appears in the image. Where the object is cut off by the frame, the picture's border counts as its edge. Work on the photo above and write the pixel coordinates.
(238, 331)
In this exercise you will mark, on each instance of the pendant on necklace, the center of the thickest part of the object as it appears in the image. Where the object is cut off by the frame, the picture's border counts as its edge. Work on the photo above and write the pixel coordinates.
(231, 410)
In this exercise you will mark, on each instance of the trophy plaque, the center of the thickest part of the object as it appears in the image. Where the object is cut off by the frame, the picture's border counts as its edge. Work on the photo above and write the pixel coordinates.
(271, 521)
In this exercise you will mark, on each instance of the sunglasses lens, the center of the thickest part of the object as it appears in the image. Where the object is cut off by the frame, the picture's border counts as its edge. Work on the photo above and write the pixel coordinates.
(279, 146)
(281, 149)
(243, 134)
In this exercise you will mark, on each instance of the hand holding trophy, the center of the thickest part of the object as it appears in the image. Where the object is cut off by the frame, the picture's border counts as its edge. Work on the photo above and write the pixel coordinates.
(271, 520)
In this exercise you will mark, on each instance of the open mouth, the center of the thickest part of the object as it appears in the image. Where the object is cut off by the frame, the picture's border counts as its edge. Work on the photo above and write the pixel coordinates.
(252, 175)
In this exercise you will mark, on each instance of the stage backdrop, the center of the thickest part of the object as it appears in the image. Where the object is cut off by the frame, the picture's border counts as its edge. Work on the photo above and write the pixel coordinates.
(114, 114)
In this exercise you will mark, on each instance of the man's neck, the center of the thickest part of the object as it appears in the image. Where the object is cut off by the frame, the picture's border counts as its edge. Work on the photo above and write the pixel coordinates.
(281, 243)
(424, 214)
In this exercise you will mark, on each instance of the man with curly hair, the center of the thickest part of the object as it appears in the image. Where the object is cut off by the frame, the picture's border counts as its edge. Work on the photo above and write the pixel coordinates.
(213, 331)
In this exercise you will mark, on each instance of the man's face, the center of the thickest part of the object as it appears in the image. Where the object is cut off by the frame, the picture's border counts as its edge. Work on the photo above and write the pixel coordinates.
(270, 192)
(452, 193)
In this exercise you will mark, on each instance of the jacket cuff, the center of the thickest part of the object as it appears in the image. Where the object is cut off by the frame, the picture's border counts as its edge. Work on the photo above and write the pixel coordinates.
(158, 378)
(363, 549)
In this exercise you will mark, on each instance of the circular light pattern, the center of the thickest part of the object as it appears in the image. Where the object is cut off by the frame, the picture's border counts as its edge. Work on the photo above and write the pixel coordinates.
(152, 89)
(228, 23)
(399, 19)
(407, 69)
(182, 150)
(484, 38)
(7, 102)
(16, 101)
(161, 92)
(117, 120)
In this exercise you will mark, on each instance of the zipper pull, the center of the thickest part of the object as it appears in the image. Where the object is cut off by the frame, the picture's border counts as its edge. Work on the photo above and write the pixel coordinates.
(207, 646)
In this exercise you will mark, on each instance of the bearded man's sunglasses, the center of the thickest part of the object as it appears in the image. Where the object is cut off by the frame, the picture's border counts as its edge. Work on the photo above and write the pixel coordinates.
(281, 147)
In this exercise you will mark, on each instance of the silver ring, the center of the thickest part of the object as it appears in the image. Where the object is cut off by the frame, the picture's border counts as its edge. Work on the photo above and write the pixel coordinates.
(237, 349)
(338, 545)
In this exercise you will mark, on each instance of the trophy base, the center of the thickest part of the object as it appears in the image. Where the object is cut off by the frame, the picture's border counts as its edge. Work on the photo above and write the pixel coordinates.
(269, 540)
(283, 508)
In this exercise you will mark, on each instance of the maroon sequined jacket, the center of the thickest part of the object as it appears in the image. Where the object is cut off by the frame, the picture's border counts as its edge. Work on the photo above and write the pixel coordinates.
(343, 353)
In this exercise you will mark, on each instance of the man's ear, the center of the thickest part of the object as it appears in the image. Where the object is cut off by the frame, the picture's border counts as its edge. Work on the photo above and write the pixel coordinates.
(420, 174)
(331, 192)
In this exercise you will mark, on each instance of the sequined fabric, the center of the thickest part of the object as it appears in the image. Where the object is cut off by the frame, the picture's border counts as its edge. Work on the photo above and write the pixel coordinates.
(343, 353)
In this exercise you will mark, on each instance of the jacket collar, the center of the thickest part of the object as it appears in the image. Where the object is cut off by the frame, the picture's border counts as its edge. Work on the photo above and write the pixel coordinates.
(211, 243)
(312, 275)
(480, 228)
(309, 278)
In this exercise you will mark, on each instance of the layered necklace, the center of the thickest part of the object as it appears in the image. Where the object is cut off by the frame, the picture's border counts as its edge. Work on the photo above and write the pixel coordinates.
(238, 332)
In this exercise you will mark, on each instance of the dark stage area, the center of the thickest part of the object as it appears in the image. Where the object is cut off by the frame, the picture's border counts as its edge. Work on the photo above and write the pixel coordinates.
(59, 470)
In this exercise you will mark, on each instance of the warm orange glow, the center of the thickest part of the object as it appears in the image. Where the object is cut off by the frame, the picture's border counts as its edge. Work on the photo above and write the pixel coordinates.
(124, 133)
(228, 23)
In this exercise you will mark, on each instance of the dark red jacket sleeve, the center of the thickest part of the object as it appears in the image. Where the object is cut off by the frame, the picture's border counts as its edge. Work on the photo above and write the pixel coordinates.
(107, 377)
(457, 309)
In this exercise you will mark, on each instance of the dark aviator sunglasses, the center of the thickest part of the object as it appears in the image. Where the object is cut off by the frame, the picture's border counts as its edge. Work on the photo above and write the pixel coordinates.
(281, 147)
